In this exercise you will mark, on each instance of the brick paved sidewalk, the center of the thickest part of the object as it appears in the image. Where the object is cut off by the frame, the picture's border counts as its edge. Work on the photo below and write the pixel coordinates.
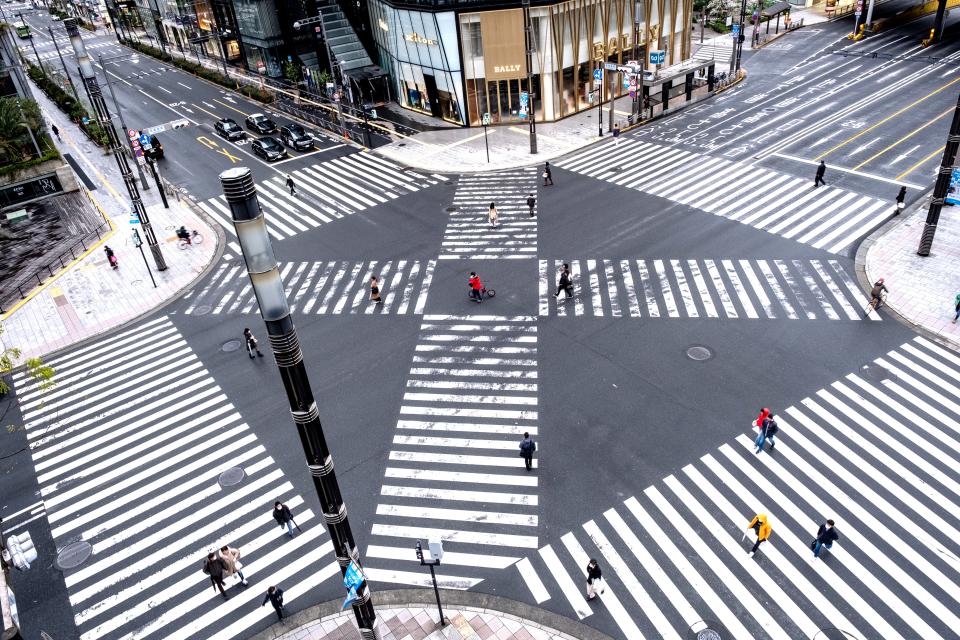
(417, 623)
(88, 297)
(922, 290)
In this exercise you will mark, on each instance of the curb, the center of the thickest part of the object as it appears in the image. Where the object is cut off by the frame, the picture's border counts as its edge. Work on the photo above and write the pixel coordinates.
(425, 599)
(863, 278)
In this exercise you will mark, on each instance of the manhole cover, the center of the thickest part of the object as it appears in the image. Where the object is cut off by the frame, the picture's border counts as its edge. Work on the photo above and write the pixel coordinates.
(451, 209)
(201, 310)
(230, 477)
(615, 170)
(705, 630)
(230, 345)
(699, 352)
(877, 373)
(74, 554)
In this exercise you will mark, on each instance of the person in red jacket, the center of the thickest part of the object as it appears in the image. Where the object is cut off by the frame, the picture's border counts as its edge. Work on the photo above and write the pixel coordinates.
(764, 414)
(476, 287)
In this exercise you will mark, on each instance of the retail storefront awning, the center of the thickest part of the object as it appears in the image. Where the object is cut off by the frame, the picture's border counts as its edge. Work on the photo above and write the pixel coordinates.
(775, 9)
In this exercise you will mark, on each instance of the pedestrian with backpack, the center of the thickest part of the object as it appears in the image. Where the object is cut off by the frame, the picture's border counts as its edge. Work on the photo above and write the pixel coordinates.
(284, 517)
(532, 203)
(527, 447)
(216, 569)
(826, 536)
(768, 429)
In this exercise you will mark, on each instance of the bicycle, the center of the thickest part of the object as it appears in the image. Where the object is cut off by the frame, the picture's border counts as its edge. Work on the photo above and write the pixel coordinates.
(875, 304)
(195, 238)
(484, 293)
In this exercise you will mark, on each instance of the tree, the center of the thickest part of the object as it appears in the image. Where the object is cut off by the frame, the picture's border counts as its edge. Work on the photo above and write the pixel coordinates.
(16, 116)
(707, 8)
(41, 374)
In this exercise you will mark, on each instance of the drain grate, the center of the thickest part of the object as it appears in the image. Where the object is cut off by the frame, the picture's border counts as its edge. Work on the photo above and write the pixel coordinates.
(706, 630)
(74, 554)
(699, 352)
(231, 477)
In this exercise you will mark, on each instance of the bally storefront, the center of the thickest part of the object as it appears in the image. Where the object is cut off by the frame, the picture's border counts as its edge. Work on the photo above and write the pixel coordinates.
(461, 64)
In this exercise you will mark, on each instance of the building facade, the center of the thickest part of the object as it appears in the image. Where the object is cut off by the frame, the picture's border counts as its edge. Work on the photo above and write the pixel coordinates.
(460, 60)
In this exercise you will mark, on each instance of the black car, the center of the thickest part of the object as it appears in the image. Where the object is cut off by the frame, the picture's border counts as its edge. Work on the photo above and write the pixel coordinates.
(260, 123)
(268, 148)
(294, 136)
(229, 129)
(154, 150)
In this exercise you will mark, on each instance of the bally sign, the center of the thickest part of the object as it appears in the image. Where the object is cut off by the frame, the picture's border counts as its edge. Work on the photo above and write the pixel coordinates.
(510, 69)
(502, 33)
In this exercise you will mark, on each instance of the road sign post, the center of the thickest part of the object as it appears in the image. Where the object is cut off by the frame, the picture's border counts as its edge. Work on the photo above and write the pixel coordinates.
(486, 121)
(598, 78)
(138, 243)
(436, 554)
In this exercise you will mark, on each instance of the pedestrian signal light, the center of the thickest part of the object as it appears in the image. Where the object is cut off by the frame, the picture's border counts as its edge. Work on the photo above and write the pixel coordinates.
(22, 551)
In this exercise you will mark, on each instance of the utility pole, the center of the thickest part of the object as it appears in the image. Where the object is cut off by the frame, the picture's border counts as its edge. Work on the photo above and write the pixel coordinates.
(599, 77)
(123, 127)
(532, 96)
(73, 87)
(943, 183)
(264, 273)
(738, 45)
(103, 117)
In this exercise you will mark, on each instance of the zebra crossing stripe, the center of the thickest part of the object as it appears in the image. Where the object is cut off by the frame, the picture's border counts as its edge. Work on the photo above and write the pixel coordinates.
(652, 308)
(757, 288)
(453, 558)
(567, 586)
(725, 300)
(533, 581)
(738, 288)
(419, 579)
(705, 298)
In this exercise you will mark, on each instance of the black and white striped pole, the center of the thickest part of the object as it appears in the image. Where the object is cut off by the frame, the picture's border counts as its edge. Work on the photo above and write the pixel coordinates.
(264, 272)
(942, 186)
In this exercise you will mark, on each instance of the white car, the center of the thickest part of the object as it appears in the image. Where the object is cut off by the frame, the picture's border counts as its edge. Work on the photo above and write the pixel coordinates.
(55, 18)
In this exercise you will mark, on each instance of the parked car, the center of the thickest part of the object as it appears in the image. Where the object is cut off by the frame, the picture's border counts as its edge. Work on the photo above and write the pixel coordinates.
(268, 148)
(155, 150)
(295, 137)
(260, 123)
(229, 129)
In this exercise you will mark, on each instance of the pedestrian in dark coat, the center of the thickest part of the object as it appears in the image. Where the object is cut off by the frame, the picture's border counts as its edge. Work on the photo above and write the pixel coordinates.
(217, 570)
(291, 185)
(826, 536)
(283, 516)
(531, 202)
(56, 131)
(274, 596)
(594, 579)
(956, 307)
(822, 169)
(547, 176)
(566, 282)
(375, 290)
(527, 447)
(616, 135)
(111, 258)
(251, 343)
(761, 525)
(768, 429)
(900, 200)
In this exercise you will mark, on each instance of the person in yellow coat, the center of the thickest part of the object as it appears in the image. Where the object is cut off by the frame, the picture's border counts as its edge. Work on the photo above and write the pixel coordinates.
(760, 524)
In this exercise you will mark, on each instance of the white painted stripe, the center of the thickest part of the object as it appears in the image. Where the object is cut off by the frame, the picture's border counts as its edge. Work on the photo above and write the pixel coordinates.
(565, 582)
(458, 443)
(632, 301)
(685, 294)
(852, 221)
(450, 458)
(425, 287)
(543, 289)
(483, 386)
(794, 288)
(431, 493)
(595, 298)
(468, 412)
(852, 314)
(612, 289)
(665, 290)
(774, 285)
(843, 214)
(348, 285)
(454, 535)
(461, 476)
(578, 306)
(532, 580)
(758, 289)
(725, 300)
(470, 427)
(327, 299)
(473, 373)
(408, 554)
(305, 287)
(740, 290)
(419, 579)
(860, 298)
(412, 396)
(457, 515)
(411, 285)
(702, 289)
(815, 290)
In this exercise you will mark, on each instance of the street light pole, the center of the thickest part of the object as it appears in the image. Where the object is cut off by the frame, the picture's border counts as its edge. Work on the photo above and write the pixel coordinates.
(33, 44)
(103, 116)
(532, 96)
(264, 273)
(73, 88)
(943, 183)
(739, 43)
(123, 127)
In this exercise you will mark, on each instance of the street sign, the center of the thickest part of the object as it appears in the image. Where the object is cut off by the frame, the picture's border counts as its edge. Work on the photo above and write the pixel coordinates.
(353, 577)
(658, 57)
(351, 596)
(524, 103)
(145, 140)
(85, 120)
(486, 119)
(610, 66)
(953, 189)
(137, 242)
(132, 134)
(598, 74)
(626, 83)
(736, 30)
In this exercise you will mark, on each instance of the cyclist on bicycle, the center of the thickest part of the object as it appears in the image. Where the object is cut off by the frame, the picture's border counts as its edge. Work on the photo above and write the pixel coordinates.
(476, 287)
(875, 294)
(183, 234)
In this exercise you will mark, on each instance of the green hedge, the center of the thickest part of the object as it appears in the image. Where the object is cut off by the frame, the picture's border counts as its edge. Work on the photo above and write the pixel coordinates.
(69, 105)
(255, 93)
(12, 169)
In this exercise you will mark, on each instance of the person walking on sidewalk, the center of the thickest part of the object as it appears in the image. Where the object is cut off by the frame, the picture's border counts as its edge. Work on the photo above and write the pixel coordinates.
(822, 169)
(956, 307)
(547, 176)
(231, 560)
(111, 258)
(527, 447)
(594, 579)
(291, 185)
(901, 197)
(492, 215)
(216, 569)
(56, 132)
(532, 203)
(375, 290)
(284, 517)
(565, 284)
(761, 525)
(768, 429)
(826, 536)
(274, 596)
(251, 343)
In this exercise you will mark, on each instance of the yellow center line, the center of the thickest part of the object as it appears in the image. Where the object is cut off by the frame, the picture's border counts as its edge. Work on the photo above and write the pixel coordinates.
(912, 133)
(231, 107)
(940, 151)
(892, 115)
(209, 113)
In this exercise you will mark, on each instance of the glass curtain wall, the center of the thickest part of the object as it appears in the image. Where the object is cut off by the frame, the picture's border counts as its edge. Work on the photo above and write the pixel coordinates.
(260, 34)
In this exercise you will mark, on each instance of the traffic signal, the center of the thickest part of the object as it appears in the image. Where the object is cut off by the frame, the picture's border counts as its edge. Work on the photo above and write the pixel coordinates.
(21, 550)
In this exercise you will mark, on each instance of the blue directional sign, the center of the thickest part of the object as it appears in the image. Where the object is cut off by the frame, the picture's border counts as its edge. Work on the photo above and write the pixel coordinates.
(658, 57)
(353, 577)
(524, 103)
(953, 190)
(351, 596)
(144, 139)
(598, 74)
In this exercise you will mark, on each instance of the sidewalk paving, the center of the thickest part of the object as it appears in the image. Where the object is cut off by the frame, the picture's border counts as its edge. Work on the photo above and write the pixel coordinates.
(88, 298)
(921, 290)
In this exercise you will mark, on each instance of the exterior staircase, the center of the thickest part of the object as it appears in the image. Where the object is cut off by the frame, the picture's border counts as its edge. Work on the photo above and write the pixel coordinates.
(345, 46)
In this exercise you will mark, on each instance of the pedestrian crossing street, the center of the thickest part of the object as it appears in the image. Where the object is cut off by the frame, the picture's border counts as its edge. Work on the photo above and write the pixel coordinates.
(334, 287)
(825, 218)
(674, 288)
(326, 191)
(128, 448)
(454, 470)
(66, 50)
(469, 235)
(879, 458)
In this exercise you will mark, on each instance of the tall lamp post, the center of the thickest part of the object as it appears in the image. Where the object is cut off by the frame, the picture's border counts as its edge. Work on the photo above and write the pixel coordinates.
(123, 127)
(942, 184)
(262, 267)
(103, 117)
(532, 111)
